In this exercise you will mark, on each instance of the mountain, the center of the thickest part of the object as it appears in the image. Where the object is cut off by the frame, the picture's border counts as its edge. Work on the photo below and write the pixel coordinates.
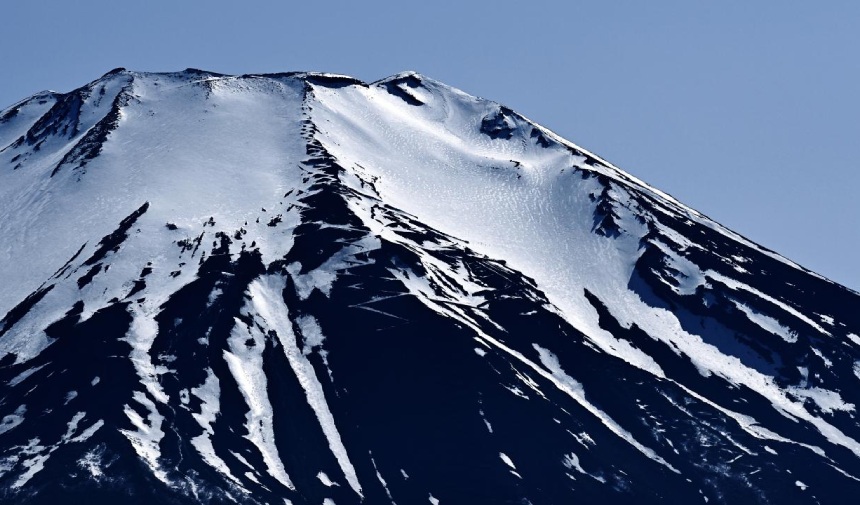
(303, 288)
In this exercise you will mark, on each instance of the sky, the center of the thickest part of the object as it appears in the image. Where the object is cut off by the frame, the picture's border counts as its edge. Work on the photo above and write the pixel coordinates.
(748, 112)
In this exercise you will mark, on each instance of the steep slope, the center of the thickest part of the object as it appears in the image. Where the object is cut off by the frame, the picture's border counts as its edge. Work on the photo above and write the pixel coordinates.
(301, 287)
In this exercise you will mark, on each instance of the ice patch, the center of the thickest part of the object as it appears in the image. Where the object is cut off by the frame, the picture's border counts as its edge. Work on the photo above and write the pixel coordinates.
(486, 422)
(12, 421)
(507, 460)
(71, 395)
(828, 401)
(325, 480)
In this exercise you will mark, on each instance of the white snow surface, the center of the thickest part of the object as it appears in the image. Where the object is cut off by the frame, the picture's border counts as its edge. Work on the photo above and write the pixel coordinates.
(267, 301)
(207, 153)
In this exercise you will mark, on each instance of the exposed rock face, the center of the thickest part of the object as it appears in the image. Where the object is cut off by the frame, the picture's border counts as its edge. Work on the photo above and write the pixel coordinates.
(301, 288)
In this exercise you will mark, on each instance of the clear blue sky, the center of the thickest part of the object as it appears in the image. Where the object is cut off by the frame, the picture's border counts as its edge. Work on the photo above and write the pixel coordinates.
(746, 111)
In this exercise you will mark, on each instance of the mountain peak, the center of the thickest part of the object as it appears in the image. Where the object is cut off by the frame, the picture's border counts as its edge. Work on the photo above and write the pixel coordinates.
(301, 287)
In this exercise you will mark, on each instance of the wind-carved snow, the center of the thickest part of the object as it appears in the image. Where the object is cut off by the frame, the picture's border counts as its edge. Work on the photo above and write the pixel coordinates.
(267, 301)
(209, 394)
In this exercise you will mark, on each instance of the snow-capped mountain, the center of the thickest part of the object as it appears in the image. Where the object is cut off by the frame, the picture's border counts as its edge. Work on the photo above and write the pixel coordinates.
(302, 288)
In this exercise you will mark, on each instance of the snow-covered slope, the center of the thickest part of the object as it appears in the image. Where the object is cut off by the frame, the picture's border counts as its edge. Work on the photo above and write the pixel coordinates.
(298, 287)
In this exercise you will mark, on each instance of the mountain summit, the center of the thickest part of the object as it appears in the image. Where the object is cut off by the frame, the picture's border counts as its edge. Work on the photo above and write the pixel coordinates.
(303, 288)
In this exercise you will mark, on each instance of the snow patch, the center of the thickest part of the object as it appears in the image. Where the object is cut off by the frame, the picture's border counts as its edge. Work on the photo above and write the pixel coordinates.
(267, 301)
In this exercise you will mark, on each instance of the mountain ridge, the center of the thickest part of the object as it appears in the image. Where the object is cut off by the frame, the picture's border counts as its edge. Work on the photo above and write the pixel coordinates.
(273, 266)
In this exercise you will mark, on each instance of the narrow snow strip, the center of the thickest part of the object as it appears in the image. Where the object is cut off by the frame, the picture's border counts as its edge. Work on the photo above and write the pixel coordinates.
(21, 377)
(267, 299)
(382, 481)
(556, 375)
(743, 287)
(748, 423)
(12, 421)
(209, 394)
(148, 435)
(507, 460)
(663, 325)
(246, 365)
(767, 323)
(140, 337)
(574, 390)
(89, 432)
